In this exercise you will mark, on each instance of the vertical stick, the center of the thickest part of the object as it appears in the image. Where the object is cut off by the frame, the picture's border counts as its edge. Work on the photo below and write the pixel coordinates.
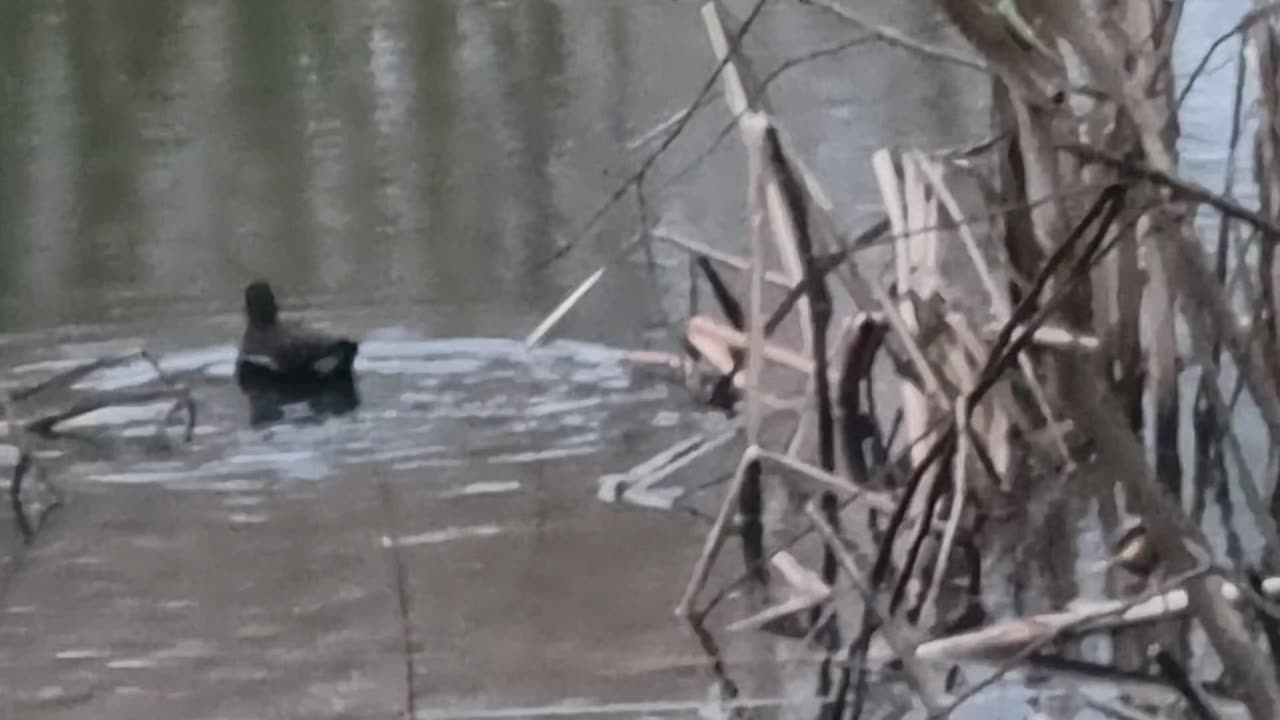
(751, 501)
(745, 489)
(1163, 367)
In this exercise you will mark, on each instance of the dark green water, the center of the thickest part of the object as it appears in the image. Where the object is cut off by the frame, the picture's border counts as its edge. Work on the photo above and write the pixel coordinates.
(413, 159)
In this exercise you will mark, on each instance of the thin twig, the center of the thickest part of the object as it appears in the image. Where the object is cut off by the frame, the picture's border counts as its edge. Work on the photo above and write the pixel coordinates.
(1184, 189)
(715, 537)
(959, 486)
(917, 674)
(1245, 23)
(69, 377)
(638, 177)
(1052, 632)
(556, 315)
(889, 469)
(896, 38)
(400, 578)
(25, 527)
(45, 425)
(1176, 675)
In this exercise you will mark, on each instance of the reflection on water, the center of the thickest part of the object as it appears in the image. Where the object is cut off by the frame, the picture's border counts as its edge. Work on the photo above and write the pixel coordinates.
(414, 157)
(273, 400)
(169, 151)
(432, 403)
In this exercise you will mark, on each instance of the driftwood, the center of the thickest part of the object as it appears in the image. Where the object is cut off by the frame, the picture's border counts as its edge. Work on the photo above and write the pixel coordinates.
(27, 431)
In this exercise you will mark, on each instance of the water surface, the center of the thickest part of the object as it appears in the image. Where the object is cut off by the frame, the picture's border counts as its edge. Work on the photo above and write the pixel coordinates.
(399, 170)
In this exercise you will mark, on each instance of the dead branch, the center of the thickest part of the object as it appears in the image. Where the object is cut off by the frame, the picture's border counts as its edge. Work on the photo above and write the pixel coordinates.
(896, 38)
(638, 177)
(1250, 18)
(1183, 189)
(926, 685)
(1177, 676)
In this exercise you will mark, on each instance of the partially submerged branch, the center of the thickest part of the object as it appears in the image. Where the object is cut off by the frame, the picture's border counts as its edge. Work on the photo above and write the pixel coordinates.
(27, 430)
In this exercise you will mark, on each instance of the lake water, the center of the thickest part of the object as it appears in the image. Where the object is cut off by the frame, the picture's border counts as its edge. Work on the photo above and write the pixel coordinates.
(401, 170)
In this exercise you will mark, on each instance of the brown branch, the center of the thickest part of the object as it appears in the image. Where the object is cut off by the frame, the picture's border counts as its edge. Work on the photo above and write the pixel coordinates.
(1006, 349)
(68, 378)
(44, 425)
(25, 526)
(823, 266)
(1183, 189)
(729, 304)
(1177, 676)
(896, 38)
(796, 208)
(638, 177)
(1246, 22)
(878, 501)
(917, 673)
(1120, 453)
(1029, 645)
(184, 401)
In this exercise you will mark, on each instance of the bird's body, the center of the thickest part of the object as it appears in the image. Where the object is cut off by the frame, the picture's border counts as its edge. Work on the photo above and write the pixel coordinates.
(281, 363)
(289, 351)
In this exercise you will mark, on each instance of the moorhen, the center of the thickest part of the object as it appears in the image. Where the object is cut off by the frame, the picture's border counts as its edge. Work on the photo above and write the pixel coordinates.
(271, 349)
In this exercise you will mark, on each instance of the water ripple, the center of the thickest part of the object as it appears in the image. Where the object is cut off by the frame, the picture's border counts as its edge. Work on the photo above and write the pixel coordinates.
(426, 404)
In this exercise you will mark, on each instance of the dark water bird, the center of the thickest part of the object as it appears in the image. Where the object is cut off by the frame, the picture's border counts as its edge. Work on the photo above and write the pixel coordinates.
(290, 351)
(281, 362)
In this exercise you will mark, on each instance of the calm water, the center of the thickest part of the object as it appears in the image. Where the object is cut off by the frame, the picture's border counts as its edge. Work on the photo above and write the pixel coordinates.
(415, 159)
(401, 169)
